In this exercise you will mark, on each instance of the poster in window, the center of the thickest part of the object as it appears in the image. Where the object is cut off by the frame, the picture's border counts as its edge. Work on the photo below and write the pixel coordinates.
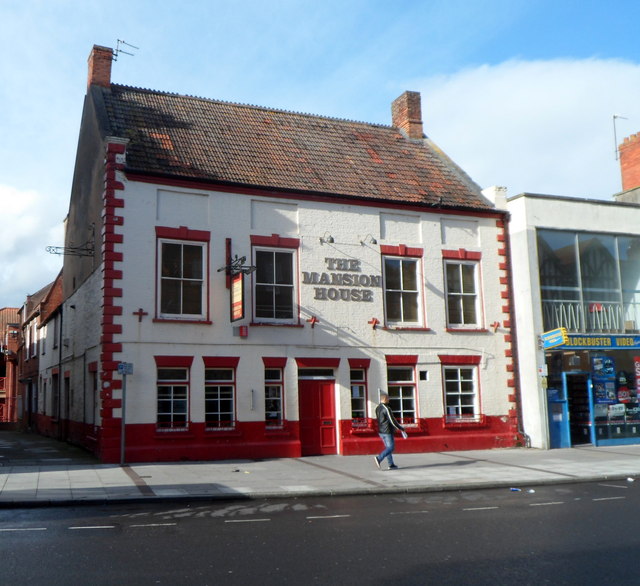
(237, 297)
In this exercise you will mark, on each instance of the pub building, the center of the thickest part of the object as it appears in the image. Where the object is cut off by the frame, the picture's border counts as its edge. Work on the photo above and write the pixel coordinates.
(254, 279)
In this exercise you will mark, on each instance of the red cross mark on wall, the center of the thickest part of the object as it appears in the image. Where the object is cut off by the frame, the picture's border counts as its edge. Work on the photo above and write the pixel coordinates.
(140, 313)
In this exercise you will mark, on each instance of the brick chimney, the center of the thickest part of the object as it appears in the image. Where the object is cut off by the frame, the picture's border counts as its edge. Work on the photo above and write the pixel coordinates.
(100, 66)
(630, 162)
(406, 114)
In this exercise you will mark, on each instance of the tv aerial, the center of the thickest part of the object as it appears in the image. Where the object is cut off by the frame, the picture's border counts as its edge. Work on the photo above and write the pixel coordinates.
(119, 49)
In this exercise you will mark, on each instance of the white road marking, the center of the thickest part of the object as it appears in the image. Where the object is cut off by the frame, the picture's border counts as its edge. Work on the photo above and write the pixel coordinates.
(613, 486)
(329, 517)
(407, 512)
(7, 529)
(546, 504)
(610, 498)
(480, 508)
(93, 527)
(246, 520)
(155, 525)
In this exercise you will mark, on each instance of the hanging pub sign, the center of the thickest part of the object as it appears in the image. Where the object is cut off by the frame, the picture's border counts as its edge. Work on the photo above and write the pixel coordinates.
(237, 296)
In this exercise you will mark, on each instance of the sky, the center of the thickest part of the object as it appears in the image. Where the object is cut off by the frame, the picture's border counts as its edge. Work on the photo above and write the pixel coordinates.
(519, 93)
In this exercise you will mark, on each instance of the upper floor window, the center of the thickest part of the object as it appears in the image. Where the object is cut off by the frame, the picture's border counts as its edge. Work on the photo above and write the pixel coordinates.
(275, 287)
(182, 273)
(462, 294)
(402, 285)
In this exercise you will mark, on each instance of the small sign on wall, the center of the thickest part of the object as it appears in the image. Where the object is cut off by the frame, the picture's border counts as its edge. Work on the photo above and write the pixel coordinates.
(237, 297)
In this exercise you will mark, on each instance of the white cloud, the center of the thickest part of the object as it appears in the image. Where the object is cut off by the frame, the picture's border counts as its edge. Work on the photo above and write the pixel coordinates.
(536, 126)
(28, 228)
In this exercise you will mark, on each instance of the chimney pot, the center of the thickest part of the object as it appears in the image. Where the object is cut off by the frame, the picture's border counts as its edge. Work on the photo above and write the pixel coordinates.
(100, 61)
(406, 114)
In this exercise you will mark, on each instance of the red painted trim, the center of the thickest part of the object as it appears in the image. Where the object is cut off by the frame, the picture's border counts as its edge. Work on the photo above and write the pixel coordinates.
(401, 250)
(221, 361)
(92, 366)
(163, 361)
(311, 196)
(274, 361)
(318, 362)
(274, 240)
(183, 233)
(402, 359)
(462, 254)
(359, 362)
(456, 359)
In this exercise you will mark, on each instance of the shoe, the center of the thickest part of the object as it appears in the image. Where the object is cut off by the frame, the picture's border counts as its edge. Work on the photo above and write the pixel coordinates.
(393, 467)
(377, 462)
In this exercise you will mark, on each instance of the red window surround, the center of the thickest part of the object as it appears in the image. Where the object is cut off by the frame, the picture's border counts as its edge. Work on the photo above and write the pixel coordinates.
(168, 361)
(359, 362)
(461, 254)
(275, 240)
(402, 359)
(183, 233)
(274, 362)
(221, 361)
(318, 362)
(452, 359)
(401, 250)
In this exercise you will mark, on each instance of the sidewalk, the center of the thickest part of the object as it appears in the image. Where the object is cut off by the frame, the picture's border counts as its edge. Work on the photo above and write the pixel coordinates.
(37, 471)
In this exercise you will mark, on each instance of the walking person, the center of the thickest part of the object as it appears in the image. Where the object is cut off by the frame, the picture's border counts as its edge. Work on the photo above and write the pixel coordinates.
(387, 426)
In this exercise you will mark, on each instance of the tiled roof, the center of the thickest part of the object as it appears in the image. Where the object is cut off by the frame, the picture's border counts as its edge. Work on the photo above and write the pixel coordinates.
(208, 140)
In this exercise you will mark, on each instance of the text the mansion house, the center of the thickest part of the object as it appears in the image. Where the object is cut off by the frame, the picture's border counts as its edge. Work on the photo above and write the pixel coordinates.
(268, 274)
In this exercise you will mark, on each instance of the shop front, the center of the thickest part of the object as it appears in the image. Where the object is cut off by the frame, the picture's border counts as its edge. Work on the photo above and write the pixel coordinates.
(593, 390)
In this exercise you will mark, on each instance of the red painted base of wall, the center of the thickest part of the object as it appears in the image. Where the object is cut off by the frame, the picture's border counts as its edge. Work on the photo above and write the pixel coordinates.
(251, 441)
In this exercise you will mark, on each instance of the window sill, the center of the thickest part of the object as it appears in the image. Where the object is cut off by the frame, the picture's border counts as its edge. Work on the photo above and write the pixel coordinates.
(362, 430)
(166, 433)
(406, 329)
(276, 325)
(467, 330)
(222, 432)
(464, 423)
(166, 320)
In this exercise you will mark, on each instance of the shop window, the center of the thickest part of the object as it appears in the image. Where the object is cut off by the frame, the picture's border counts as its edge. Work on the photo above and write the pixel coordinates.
(402, 393)
(173, 398)
(219, 397)
(273, 397)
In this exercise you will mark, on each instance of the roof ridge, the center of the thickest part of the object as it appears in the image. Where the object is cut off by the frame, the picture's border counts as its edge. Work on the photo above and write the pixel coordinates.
(251, 106)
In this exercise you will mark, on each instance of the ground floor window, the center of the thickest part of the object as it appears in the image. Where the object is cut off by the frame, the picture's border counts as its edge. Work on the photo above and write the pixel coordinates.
(173, 398)
(402, 393)
(358, 397)
(219, 393)
(460, 393)
(273, 395)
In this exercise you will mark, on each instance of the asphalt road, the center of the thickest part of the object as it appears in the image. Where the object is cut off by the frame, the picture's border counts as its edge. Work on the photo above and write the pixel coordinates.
(565, 534)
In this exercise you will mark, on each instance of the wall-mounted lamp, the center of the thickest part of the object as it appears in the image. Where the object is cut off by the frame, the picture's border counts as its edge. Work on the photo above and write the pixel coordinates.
(326, 238)
(371, 239)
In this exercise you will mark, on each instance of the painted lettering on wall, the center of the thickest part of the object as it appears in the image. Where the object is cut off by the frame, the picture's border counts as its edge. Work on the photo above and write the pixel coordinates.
(342, 281)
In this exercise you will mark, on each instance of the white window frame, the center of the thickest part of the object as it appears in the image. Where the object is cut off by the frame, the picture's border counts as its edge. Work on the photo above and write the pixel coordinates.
(274, 391)
(419, 322)
(293, 285)
(220, 385)
(358, 394)
(455, 410)
(174, 384)
(402, 392)
(203, 245)
(458, 296)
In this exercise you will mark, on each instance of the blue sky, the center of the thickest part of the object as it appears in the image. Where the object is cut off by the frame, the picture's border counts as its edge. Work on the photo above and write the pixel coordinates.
(519, 93)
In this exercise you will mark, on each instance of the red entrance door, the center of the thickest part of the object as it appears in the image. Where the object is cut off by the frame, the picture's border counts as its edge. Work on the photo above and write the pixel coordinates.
(317, 417)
